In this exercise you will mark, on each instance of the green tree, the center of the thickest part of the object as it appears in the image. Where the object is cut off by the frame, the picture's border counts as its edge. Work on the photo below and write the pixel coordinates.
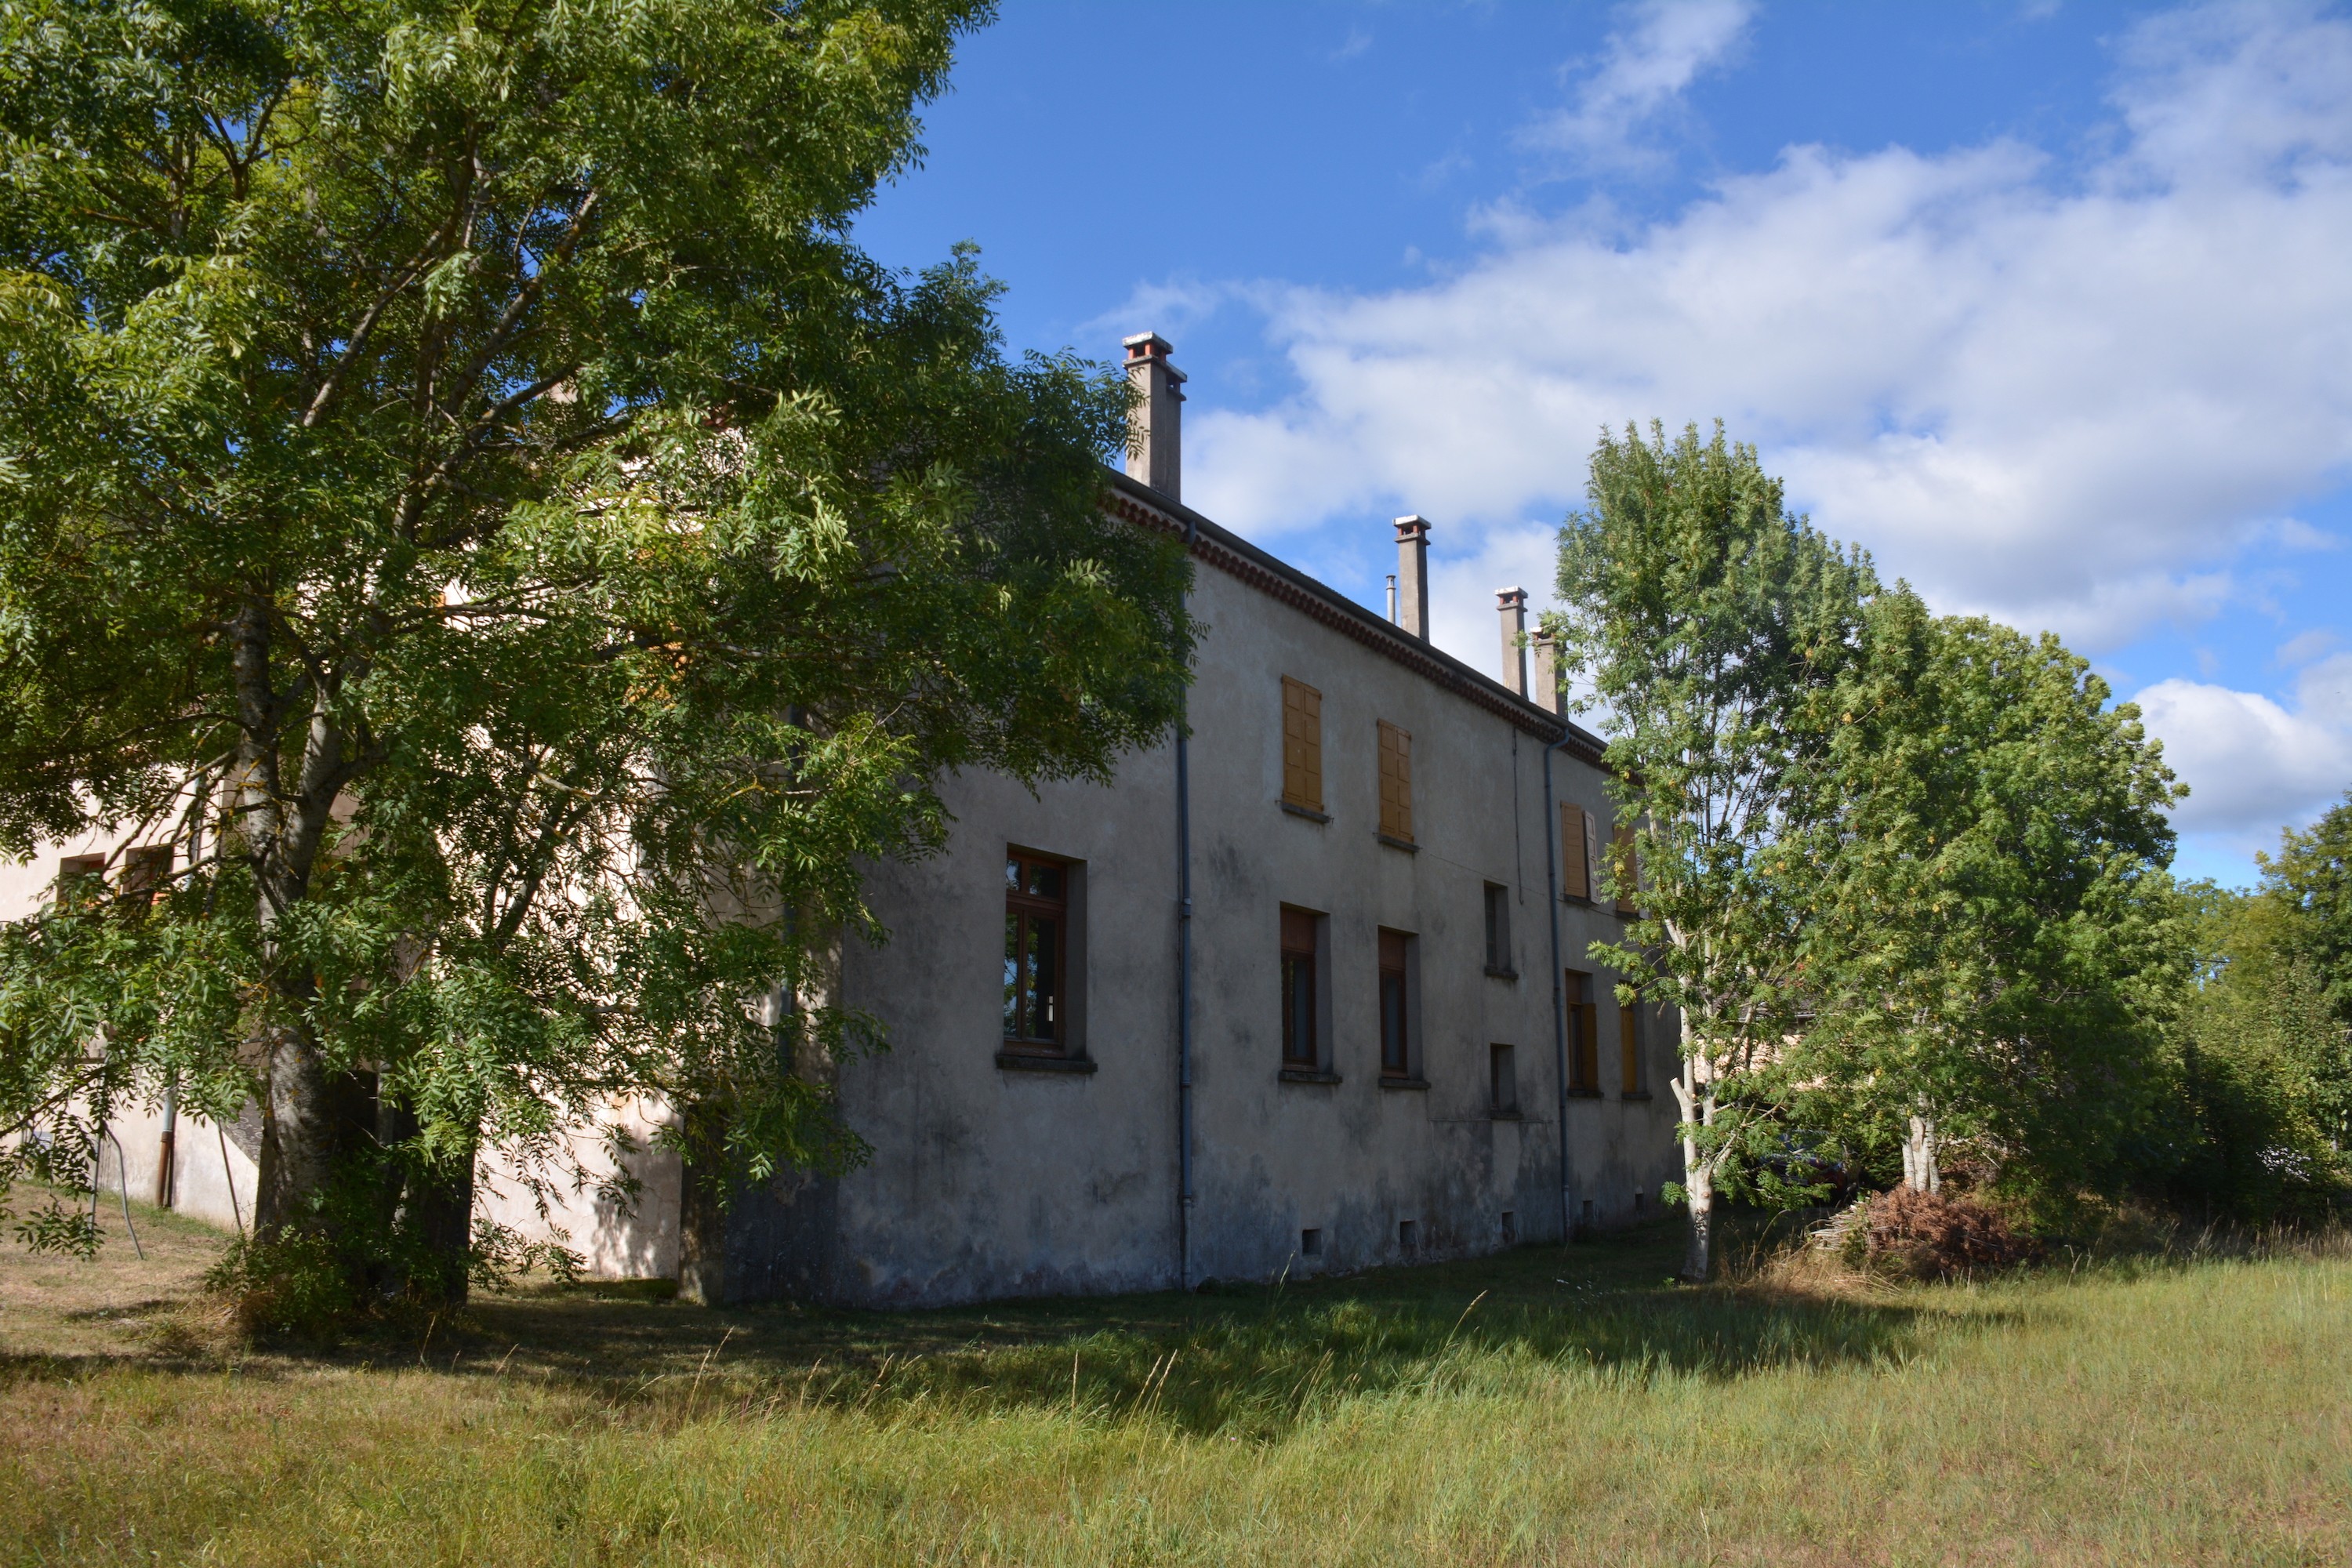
(2266, 1064)
(1713, 626)
(2312, 875)
(460, 484)
(1992, 951)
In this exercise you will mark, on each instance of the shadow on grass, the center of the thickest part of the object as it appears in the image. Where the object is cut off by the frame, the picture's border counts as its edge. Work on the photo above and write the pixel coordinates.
(1246, 1360)
(1242, 1360)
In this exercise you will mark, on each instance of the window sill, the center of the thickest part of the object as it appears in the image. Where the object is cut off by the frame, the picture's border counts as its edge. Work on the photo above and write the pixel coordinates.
(1036, 1061)
(1571, 899)
(1393, 842)
(1494, 973)
(1584, 1094)
(1309, 812)
(1636, 1094)
(1506, 1116)
(1387, 1081)
(1307, 1075)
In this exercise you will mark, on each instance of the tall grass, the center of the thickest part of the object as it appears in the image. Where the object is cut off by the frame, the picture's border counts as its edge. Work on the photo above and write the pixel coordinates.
(1542, 1407)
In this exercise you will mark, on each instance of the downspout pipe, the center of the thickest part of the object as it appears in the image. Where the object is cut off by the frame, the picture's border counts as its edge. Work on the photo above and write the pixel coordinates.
(1184, 974)
(1558, 982)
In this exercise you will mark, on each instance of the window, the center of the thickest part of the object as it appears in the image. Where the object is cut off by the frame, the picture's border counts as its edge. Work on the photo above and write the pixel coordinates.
(1396, 1005)
(1036, 947)
(1301, 1014)
(145, 871)
(82, 878)
(1408, 1235)
(1498, 932)
(1575, 852)
(1583, 1035)
(1396, 783)
(1629, 1050)
(1579, 851)
(1627, 869)
(1311, 1243)
(1302, 746)
(1503, 1080)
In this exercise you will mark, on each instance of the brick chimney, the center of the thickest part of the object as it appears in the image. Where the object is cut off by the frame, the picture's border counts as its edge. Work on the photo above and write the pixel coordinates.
(1156, 453)
(1512, 604)
(1413, 576)
(1547, 695)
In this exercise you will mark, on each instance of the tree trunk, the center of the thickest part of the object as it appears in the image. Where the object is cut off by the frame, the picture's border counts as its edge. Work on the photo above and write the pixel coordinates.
(702, 1209)
(1921, 1172)
(299, 1135)
(1698, 1182)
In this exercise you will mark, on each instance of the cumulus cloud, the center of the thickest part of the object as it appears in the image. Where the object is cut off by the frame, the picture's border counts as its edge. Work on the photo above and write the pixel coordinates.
(2064, 393)
(1657, 51)
(2253, 764)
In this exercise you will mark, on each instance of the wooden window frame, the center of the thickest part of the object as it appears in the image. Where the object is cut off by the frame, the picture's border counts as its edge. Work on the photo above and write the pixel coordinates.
(1302, 747)
(1395, 958)
(1395, 747)
(81, 880)
(1584, 1036)
(1633, 1064)
(1575, 852)
(1497, 911)
(1627, 867)
(1023, 907)
(1301, 959)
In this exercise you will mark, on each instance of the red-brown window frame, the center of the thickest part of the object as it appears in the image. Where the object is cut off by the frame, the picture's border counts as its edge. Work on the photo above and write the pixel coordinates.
(1302, 1031)
(1396, 1004)
(1021, 907)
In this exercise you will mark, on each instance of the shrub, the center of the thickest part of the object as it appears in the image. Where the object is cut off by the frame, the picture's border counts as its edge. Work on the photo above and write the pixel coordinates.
(1932, 1235)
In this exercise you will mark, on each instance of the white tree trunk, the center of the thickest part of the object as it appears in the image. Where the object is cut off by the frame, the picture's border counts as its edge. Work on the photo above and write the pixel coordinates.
(1920, 1172)
(1698, 1181)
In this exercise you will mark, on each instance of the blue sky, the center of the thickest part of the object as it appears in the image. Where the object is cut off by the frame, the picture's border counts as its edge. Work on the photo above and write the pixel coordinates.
(2048, 305)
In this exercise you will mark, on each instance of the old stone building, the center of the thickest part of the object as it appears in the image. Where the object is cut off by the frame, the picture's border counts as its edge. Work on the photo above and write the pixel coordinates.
(1304, 991)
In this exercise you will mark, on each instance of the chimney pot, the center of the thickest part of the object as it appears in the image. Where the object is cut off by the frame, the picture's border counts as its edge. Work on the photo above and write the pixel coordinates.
(1512, 604)
(1155, 443)
(1412, 574)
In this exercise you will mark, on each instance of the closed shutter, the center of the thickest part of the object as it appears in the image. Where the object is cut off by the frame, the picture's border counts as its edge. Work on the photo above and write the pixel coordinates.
(1575, 864)
(1628, 870)
(1396, 781)
(1302, 744)
(1629, 1050)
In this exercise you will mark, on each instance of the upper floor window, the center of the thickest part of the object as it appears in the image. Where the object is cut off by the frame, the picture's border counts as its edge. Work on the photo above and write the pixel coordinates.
(1578, 850)
(1396, 783)
(82, 878)
(1626, 868)
(1302, 745)
(1036, 946)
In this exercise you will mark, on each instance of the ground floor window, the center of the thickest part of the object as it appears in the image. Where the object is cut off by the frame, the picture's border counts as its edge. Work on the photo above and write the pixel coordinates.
(1036, 944)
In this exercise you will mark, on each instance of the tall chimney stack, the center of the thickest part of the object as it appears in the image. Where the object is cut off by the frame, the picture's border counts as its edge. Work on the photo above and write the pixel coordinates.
(1155, 451)
(1413, 576)
(1512, 604)
(1548, 694)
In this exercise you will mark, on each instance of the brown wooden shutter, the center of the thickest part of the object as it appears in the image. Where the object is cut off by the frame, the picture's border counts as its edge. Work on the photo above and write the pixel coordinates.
(1628, 1048)
(1628, 870)
(1576, 865)
(1302, 744)
(1396, 781)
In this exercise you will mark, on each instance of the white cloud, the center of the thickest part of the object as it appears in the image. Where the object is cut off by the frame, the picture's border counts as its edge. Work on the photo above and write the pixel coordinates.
(1660, 48)
(2252, 765)
(2066, 394)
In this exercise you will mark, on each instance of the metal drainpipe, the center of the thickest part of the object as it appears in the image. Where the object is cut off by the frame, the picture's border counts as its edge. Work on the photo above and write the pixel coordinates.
(1558, 997)
(1184, 978)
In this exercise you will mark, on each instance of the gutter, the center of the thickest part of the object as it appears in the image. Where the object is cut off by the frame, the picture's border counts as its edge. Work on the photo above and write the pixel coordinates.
(1558, 991)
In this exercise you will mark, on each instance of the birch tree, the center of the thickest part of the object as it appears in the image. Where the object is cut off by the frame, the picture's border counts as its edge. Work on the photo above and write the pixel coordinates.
(1713, 627)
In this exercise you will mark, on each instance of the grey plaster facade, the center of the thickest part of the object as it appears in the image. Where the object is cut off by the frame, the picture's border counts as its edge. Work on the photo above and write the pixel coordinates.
(995, 1174)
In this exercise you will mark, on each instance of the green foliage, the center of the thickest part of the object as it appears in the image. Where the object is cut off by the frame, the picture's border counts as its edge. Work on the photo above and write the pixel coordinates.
(460, 483)
(1711, 625)
(1992, 940)
(2312, 875)
(2266, 1063)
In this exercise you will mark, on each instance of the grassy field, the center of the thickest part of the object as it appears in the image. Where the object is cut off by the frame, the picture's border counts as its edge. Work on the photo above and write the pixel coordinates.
(1546, 1406)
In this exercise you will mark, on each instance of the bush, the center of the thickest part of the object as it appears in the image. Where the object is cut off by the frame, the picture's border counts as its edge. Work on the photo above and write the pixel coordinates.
(1931, 1236)
(293, 1284)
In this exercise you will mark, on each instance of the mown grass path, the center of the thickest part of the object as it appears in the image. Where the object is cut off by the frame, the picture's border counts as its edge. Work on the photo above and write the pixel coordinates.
(1546, 1406)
